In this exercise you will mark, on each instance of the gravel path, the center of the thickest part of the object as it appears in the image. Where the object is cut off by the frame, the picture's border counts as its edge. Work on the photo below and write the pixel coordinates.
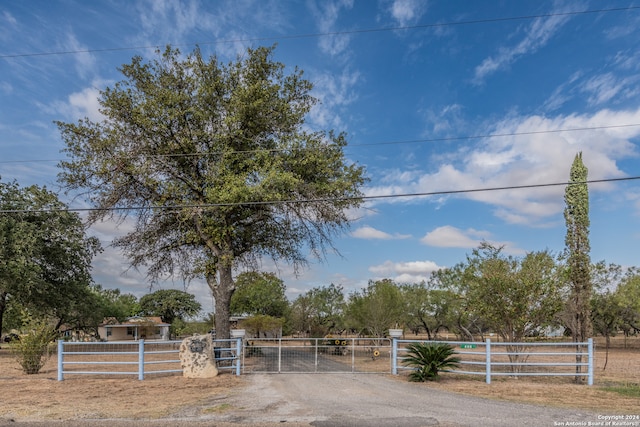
(350, 400)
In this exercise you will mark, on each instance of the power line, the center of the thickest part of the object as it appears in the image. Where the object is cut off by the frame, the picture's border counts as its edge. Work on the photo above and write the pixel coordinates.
(333, 33)
(408, 141)
(320, 200)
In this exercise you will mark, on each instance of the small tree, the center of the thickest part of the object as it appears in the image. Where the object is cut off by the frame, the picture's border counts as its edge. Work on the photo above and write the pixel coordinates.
(606, 316)
(576, 216)
(629, 296)
(516, 297)
(169, 304)
(429, 359)
(319, 311)
(376, 308)
(261, 323)
(259, 294)
(32, 350)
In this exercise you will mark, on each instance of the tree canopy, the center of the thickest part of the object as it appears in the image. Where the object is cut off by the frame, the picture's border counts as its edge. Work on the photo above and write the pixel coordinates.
(516, 297)
(215, 164)
(259, 294)
(376, 308)
(319, 311)
(170, 305)
(45, 256)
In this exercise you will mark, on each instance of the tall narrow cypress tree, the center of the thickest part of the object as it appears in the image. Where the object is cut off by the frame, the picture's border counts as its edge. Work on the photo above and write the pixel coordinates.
(576, 216)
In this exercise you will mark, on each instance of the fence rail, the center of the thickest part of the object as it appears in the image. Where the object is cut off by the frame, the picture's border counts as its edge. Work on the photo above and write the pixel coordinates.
(139, 358)
(512, 359)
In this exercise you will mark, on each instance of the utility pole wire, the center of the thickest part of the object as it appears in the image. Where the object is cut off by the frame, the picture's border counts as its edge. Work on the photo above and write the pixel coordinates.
(278, 202)
(333, 33)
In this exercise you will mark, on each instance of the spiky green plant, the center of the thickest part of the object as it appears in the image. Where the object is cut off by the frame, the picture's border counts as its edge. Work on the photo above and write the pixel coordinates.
(428, 359)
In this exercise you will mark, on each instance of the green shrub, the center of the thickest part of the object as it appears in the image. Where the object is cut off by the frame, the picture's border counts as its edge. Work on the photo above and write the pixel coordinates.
(34, 348)
(428, 359)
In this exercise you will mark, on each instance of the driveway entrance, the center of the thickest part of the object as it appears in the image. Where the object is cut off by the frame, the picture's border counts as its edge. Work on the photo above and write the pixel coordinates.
(317, 355)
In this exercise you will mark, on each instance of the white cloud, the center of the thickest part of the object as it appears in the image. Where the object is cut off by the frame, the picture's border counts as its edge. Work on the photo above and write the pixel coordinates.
(452, 237)
(367, 232)
(9, 18)
(6, 88)
(562, 93)
(335, 93)
(173, 19)
(603, 88)
(85, 62)
(9, 25)
(444, 120)
(406, 12)
(78, 105)
(327, 13)
(623, 30)
(537, 36)
(232, 22)
(535, 153)
(405, 272)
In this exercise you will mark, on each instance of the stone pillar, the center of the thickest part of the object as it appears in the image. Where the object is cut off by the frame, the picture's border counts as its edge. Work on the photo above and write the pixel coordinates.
(196, 357)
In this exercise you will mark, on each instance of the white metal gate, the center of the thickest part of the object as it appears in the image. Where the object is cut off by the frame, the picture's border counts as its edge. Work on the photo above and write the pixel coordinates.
(317, 355)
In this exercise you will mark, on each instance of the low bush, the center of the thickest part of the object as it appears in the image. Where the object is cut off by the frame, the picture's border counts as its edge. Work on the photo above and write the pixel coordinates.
(429, 359)
(33, 349)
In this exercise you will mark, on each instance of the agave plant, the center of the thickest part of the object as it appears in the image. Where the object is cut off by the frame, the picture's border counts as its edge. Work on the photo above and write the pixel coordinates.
(428, 359)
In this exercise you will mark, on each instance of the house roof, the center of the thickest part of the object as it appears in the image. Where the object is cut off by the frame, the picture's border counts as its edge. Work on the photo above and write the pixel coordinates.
(135, 321)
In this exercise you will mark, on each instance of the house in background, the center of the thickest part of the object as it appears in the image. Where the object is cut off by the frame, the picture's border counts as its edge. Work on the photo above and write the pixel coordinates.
(134, 329)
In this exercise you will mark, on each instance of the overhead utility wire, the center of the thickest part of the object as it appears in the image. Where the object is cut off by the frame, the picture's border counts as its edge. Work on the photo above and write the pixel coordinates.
(407, 141)
(325, 199)
(333, 33)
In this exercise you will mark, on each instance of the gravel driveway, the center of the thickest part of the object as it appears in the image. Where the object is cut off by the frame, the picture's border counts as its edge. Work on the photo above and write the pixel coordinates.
(350, 400)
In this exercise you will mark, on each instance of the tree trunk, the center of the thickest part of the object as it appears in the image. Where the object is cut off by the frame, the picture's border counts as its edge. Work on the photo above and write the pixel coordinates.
(222, 291)
(606, 354)
(426, 328)
(3, 306)
(466, 332)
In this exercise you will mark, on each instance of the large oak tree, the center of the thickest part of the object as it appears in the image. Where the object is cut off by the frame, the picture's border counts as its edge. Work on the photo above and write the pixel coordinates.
(215, 164)
(45, 257)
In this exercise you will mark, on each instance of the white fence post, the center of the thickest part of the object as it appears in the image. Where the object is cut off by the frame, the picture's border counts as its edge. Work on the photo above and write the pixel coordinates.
(315, 358)
(394, 356)
(394, 334)
(353, 355)
(141, 359)
(279, 354)
(60, 361)
(238, 353)
(590, 368)
(488, 360)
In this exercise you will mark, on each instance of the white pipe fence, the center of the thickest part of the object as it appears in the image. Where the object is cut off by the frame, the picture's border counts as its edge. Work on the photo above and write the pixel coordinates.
(136, 357)
(564, 359)
(322, 355)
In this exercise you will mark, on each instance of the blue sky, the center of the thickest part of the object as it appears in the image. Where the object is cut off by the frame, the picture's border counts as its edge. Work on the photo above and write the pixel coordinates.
(435, 96)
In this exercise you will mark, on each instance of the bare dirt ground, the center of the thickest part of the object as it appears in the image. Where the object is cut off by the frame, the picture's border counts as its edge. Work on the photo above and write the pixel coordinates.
(287, 398)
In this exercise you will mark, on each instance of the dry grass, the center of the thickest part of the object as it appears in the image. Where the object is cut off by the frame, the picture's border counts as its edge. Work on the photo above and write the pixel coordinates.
(41, 396)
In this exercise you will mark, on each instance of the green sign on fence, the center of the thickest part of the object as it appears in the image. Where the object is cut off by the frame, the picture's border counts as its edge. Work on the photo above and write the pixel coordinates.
(467, 346)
